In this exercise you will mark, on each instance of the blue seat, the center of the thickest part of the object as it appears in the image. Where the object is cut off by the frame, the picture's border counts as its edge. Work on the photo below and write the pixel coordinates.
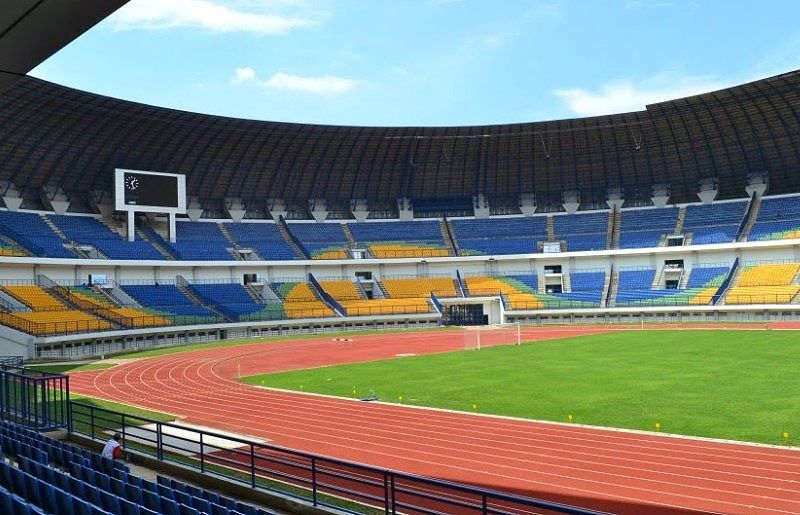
(218, 509)
(187, 510)
(117, 487)
(109, 501)
(182, 497)
(6, 505)
(46, 497)
(19, 506)
(128, 508)
(134, 493)
(166, 492)
(149, 486)
(169, 507)
(201, 504)
(151, 500)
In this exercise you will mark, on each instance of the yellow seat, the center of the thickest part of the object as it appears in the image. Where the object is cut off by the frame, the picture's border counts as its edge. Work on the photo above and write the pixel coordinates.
(406, 250)
(35, 297)
(420, 287)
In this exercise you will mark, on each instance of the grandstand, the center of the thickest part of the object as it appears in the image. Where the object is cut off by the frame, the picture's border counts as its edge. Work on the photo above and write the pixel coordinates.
(685, 211)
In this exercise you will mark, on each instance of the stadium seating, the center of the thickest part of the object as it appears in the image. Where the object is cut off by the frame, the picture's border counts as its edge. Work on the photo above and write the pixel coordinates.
(355, 304)
(264, 238)
(321, 240)
(300, 301)
(86, 230)
(199, 241)
(53, 477)
(233, 300)
(32, 232)
(48, 315)
(635, 288)
(714, 223)
(517, 235)
(642, 228)
(581, 231)
(778, 219)
(421, 287)
(9, 250)
(766, 283)
(169, 302)
(88, 299)
(522, 293)
(400, 239)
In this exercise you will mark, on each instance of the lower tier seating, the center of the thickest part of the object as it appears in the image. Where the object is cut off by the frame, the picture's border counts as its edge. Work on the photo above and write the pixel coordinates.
(54, 477)
(300, 301)
(768, 283)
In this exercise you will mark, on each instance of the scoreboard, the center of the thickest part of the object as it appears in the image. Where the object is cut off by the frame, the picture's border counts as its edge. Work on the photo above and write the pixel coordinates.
(150, 192)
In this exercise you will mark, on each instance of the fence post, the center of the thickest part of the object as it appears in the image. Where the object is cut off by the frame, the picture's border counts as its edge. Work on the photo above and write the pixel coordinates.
(252, 465)
(483, 504)
(385, 492)
(394, 499)
(314, 480)
(202, 455)
(159, 442)
(91, 420)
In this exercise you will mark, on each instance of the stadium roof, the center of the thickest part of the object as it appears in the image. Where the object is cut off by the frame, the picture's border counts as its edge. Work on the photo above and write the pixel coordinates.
(33, 30)
(60, 136)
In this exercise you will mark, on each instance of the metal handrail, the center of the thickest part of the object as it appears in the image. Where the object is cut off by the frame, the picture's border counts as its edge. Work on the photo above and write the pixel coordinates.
(320, 480)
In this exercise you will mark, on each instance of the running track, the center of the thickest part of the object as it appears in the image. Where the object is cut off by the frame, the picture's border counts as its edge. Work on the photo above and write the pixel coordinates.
(604, 469)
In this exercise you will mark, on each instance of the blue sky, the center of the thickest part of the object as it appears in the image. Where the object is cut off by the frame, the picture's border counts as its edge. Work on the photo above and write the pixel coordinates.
(426, 62)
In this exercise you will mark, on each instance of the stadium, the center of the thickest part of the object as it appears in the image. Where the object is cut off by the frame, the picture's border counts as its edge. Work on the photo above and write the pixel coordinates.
(586, 315)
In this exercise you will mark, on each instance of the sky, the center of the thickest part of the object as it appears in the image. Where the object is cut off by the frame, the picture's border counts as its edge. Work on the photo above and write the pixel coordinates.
(426, 62)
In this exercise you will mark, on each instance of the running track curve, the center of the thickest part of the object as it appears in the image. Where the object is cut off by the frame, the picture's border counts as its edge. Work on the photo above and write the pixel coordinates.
(611, 470)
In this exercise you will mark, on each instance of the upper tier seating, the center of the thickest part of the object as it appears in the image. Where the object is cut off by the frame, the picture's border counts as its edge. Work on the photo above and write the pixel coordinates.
(582, 231)
(199, 241)
(32, 232)
(86, 230)
(778, 219)
(168, 301)
(321, 240)
(500, 236)
(642, 228)
(233, 300)
(264, 238)
(770, 283)
(400, 239)
(714, 223)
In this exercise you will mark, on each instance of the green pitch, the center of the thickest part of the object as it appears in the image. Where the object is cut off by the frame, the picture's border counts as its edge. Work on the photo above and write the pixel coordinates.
(742, 385)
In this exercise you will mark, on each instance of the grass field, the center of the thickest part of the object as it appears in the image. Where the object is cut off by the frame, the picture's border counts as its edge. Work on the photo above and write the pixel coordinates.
(742, 385)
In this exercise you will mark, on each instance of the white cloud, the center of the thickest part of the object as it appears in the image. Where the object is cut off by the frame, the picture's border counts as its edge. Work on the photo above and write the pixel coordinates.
(205, 14)
(241, 75)
(281, 81)
(625, 95)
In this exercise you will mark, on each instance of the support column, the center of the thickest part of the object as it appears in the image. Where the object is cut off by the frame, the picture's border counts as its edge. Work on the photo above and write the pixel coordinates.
(172, 232)
(131, 225)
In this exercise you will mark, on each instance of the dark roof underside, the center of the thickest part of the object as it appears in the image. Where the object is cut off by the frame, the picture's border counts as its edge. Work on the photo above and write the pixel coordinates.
(55, 135)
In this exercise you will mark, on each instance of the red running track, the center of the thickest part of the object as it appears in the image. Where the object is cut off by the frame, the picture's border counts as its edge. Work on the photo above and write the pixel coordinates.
(610, 470)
